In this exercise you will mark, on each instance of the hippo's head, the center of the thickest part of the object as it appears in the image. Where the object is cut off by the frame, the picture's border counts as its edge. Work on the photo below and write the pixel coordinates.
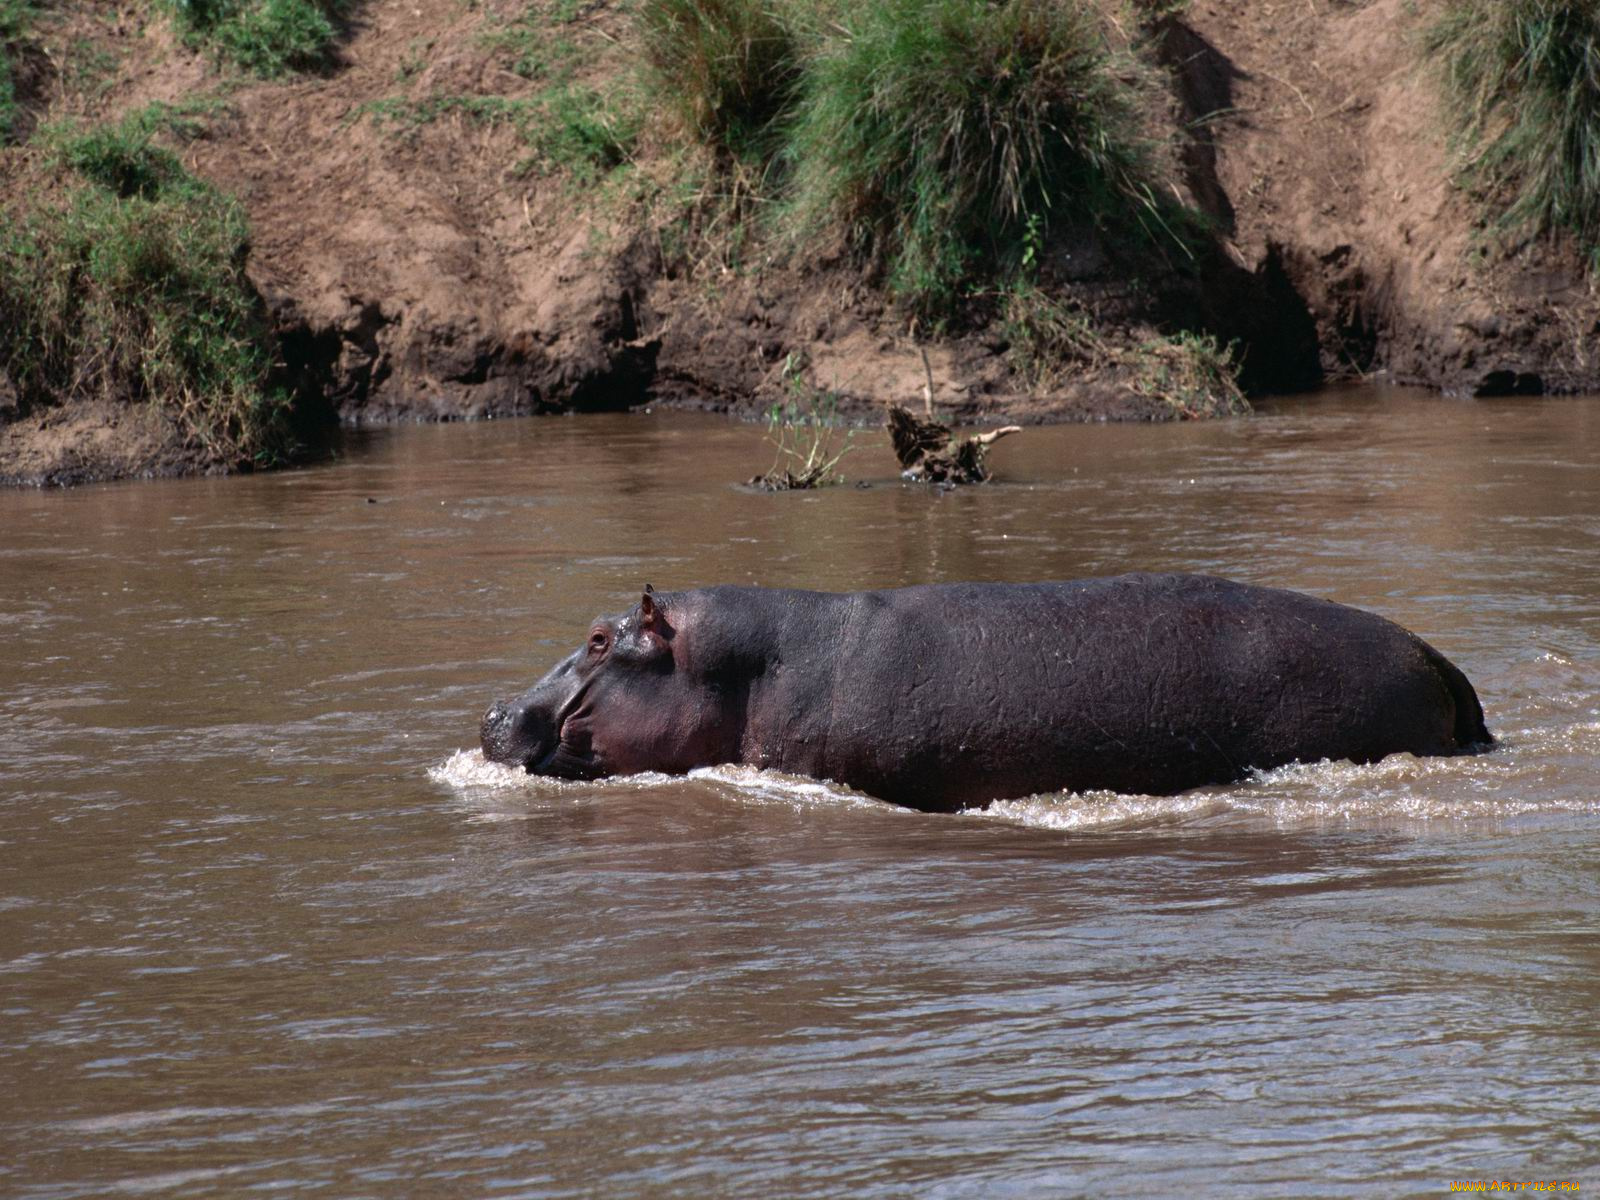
(624, 702)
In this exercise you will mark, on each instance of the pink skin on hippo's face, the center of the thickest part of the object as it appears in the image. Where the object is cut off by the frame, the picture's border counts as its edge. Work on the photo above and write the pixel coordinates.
(618, 706)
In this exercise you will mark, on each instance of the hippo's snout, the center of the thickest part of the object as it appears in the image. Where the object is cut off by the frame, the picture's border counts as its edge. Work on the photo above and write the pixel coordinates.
(494, 731)
(516, 734)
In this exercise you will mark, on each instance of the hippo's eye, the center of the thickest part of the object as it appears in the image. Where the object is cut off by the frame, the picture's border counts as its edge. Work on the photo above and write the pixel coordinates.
(598, 641)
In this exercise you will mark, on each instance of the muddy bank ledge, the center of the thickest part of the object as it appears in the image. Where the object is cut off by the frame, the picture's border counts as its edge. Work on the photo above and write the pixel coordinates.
(422, 247)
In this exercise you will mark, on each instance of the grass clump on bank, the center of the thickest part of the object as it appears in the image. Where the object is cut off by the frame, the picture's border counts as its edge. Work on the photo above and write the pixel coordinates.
(945, 136)
(125, 283)
(945, 139)
(729, 71)
(947, 145)
(1525, 75)
(265, 37)
(126, 158)
(1193, 374)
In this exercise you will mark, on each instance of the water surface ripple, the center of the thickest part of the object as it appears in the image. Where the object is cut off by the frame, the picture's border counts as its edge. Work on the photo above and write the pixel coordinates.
(269, 923)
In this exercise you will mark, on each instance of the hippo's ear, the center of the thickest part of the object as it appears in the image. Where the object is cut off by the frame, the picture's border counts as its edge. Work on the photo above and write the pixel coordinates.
(653, 631)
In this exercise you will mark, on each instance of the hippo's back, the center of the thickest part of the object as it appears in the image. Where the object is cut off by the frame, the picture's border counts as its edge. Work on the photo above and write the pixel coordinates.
(956, 694)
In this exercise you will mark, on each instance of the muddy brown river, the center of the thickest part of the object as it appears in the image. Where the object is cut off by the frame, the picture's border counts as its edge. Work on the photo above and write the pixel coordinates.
(270, 925)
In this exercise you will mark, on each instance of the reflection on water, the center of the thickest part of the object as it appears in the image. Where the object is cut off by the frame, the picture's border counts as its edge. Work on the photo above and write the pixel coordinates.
(264, 923)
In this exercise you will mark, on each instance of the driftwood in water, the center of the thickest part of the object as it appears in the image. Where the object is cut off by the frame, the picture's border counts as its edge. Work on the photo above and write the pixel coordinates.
(927, 456)
(777, 480)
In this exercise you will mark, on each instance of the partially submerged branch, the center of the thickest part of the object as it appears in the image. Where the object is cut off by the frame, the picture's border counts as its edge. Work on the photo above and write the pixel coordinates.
(927, 455)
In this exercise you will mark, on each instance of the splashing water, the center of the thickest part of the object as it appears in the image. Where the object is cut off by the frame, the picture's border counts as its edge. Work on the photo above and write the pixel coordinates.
(1400, 791)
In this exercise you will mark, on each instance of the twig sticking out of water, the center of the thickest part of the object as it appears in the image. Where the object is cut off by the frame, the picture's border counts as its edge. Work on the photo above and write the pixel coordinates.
(804, 430)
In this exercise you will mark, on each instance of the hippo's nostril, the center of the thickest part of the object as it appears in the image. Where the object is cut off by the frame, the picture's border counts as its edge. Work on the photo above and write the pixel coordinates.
(494, 732)
(494, 718)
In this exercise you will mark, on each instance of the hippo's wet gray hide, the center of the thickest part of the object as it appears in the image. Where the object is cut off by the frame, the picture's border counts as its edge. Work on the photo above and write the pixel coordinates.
(947, 696)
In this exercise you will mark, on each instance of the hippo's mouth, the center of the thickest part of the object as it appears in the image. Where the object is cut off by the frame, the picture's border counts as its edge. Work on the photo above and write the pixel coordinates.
(573, 756)
(522, 734)
(556, 759)
(514, 739)
(565, 762)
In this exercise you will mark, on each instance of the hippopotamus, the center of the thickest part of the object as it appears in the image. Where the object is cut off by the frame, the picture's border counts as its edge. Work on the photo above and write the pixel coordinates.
(947, 696)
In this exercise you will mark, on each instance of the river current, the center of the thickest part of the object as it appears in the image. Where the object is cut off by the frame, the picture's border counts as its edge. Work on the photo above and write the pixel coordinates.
(270, 924)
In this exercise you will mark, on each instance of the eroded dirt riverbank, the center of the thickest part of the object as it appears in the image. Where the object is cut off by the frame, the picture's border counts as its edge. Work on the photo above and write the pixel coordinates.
(413, 269)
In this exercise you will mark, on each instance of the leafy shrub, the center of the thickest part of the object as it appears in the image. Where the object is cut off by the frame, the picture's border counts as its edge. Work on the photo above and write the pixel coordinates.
(1526, 77)
(936, 131)
(265, 37)
(131, 286)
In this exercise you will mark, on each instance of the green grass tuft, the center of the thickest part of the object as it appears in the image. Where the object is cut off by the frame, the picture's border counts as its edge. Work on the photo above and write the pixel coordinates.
(265, 37)
(130, 286)
(567, 127)
(125, 157)
(583, 132)
(16, 18)
(938, 133)
(1526, 78)
(124, 160)
(728, 70)
(536, 42)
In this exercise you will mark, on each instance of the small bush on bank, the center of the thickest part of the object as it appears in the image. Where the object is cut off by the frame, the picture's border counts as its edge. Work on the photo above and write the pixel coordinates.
(127, 284)
(938, 132)
(1525, 75)
(266, 37)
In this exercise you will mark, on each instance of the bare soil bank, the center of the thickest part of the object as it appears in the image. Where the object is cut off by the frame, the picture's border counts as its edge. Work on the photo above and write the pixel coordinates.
(414, 273)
